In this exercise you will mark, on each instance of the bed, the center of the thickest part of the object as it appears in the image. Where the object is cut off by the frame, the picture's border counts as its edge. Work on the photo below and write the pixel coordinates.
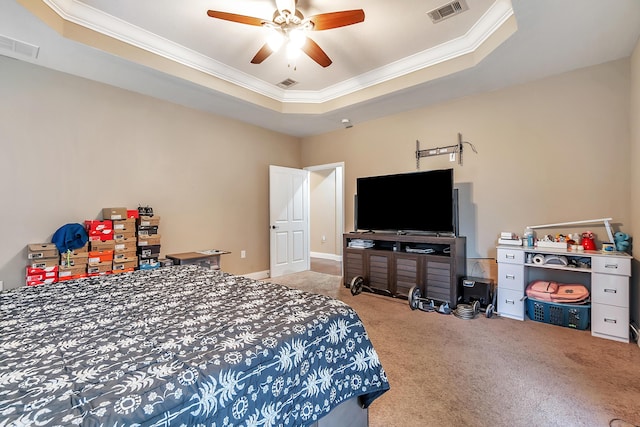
(180, 346)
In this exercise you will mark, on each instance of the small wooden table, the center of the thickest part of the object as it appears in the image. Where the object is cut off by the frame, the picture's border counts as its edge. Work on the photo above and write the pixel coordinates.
(209, 258)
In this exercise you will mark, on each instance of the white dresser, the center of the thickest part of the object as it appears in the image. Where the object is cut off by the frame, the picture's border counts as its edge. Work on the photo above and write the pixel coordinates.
(607, 279)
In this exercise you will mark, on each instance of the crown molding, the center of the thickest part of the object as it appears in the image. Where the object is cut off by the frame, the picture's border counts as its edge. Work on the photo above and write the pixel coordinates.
(96, 20)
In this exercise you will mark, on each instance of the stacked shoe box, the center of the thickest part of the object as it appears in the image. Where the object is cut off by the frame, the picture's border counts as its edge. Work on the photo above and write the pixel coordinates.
(101, 246)
(73, 263)
(148, 242)
(43, 264)
(124, 234)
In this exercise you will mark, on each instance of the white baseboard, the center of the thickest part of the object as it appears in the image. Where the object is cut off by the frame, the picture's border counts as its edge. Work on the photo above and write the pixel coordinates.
(260, 275)
(323, 255)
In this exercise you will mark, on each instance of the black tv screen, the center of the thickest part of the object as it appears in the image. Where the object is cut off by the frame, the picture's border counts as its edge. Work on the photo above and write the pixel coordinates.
(418, 201)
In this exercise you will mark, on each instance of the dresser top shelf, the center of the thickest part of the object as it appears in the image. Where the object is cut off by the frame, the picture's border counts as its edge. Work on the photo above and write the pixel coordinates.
(565, 252)
(403, 238)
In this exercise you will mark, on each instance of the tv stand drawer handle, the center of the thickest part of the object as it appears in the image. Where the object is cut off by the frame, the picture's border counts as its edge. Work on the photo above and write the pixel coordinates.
(611, 266)
(606, 320)
(510, 256)
(611, 291)
(510, 276)
(509, 301)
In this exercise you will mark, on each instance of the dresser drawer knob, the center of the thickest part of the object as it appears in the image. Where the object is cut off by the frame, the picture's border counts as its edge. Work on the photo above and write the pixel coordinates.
(606, 320)
(611, 291)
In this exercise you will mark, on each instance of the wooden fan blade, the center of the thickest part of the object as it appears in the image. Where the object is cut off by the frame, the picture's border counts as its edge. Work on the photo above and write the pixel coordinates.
(242, 19)
(326, 21)
(262, 54)
(316, 53)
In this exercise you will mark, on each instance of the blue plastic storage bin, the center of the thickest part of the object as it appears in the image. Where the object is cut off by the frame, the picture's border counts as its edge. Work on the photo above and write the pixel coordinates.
(575, 316)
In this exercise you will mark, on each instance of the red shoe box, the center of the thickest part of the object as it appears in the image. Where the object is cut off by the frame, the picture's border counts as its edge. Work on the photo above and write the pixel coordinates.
(44, 270)
(93, 225)
(41, 282)
(99, 230)
(42, 277)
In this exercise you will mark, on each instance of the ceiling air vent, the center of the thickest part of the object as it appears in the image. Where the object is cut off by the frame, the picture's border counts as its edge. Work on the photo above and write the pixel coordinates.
(287, 83)
(17, 47)
(448, 10)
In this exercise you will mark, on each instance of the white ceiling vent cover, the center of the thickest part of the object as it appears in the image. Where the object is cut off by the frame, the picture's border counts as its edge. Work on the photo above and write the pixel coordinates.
(448, 10)
(286, 83)
(17, 47)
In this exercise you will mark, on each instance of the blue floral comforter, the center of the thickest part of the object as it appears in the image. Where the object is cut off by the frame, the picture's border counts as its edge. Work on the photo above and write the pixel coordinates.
(179, 346)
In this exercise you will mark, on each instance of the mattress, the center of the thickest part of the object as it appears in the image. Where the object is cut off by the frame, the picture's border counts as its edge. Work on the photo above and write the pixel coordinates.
(181, 345)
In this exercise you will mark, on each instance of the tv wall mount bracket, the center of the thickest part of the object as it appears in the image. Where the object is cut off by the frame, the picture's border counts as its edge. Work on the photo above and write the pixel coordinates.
(453, 151)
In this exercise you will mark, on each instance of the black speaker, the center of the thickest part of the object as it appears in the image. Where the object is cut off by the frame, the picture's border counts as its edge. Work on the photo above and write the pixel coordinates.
(476, 289)
(355, 212)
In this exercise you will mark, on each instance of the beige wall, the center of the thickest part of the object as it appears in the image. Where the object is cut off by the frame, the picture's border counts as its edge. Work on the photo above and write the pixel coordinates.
(70, 147)
(559, 149)
(549, 151)
(634, 159)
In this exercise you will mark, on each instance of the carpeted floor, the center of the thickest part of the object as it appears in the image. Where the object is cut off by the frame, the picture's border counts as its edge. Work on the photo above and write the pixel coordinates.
(446, 371)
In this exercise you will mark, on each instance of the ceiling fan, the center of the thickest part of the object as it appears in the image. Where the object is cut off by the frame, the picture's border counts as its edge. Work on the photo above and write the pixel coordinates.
(290, 27)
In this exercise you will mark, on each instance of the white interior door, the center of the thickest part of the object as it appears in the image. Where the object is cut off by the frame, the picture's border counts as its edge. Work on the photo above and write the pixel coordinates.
(289, 220)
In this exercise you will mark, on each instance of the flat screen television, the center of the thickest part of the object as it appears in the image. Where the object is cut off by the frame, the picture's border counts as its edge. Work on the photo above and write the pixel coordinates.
(407, 202)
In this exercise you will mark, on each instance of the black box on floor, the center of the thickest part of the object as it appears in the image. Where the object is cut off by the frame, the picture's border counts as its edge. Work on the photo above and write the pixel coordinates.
(476, 289)
(151, 251)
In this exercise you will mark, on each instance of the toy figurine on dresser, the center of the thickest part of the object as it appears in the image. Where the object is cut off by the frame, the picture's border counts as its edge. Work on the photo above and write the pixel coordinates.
(622, 241)
(588, 241)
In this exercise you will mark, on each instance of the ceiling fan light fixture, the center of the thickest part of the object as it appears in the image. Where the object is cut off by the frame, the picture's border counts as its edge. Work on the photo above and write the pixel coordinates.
(297, 38)
(275, 39)
(293, 52)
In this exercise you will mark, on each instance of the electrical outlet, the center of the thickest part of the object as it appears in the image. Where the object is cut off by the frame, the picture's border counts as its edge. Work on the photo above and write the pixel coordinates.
(452, 157)
(243, 254)
(324, 238)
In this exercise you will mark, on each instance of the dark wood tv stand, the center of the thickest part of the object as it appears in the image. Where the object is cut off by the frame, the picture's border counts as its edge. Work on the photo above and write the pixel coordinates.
(397, 262)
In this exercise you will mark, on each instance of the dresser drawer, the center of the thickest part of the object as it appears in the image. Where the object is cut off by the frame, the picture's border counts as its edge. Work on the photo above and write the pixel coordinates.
(511, 276)
(510, 303)
(510, 256)
(611, 265)
(608, 321)
(610, 289)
